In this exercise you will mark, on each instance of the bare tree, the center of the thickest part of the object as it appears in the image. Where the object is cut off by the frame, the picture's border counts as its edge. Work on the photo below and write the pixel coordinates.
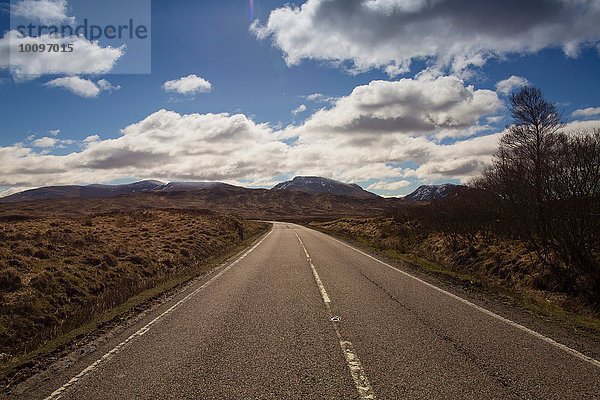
(523, 166)
(575, 206)
(548, 184)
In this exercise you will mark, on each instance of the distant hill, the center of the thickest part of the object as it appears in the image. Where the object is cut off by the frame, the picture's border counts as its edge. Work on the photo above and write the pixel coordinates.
(97, 191)
(248, 203)
(300, 197)
(317, 185)
(431, 192)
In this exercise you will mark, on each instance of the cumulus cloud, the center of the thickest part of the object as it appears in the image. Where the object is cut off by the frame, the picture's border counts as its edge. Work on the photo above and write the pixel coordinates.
(391, 34)
(461, 160)
(164, 145)
(76, 85)
(389, 186)
(583, 125)
(465, 159)
(87, 57)
(506, 86)
(82, 87)
(54, 132)
(45, 142)
(443, 106)
(188, 85)
(92, 139)
(386, 123)
(587, 112)
(300, 109)
(44, 11)
(106, 86)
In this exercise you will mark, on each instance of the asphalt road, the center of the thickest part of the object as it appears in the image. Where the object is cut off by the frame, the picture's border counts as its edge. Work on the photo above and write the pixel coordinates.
(304, 316)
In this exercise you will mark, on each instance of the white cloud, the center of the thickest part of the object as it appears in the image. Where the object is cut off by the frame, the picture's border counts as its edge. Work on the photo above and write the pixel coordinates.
(383, 124)
(106, 86)
(443, 106)
(92, 139)
(390, 34)
(164, 145)
(54, 132)
(77, 85)
(300, 109)
(320, 98)
(87, 57)
(508, 85)
(584, 125)
(389, 186)
(461, 160)
(465, 159)
(494, 119)
(587, 112)
(44, 11)
(83, 87)
(188, 85)
(45, 142)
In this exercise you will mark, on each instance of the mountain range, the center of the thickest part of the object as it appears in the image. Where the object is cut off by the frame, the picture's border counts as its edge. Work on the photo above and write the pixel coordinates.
(300, 184)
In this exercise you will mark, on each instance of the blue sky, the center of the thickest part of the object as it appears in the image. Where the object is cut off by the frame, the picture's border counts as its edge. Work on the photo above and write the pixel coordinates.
(260, 75)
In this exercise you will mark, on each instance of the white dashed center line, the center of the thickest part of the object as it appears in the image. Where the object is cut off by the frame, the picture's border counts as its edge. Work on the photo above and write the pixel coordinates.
(357, 372)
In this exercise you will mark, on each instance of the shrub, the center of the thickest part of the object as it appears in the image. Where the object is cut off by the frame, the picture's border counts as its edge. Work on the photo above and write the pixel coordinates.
(10, 279)
(41, 254)
(87, 221)
(110, 260)
(43, 281)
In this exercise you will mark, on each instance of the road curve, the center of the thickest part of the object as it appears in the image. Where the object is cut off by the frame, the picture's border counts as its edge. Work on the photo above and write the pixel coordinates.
(301, 315)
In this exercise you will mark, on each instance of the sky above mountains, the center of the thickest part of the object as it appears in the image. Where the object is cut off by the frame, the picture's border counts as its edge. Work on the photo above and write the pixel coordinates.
(389, 94)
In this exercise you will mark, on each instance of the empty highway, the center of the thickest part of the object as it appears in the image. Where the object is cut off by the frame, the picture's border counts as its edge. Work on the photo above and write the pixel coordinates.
(300, 315)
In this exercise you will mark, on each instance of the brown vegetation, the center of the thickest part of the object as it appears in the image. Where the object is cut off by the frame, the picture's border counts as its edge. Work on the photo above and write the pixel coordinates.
(247, 203)
(544, 186)
(58, 269)
(497, 265)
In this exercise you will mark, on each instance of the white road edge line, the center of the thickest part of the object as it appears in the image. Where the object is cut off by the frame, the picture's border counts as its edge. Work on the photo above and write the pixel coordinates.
(538, 335)
(365, 391)
(117, 349)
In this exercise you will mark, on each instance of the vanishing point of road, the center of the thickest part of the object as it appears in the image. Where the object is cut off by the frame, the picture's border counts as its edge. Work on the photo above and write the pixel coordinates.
(300, 315)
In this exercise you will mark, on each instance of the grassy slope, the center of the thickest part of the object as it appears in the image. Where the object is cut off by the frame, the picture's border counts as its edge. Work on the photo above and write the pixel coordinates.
(59, 273)
(504, 268)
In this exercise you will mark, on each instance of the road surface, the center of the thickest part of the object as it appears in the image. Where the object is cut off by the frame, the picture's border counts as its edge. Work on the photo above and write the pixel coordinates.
(301, 315)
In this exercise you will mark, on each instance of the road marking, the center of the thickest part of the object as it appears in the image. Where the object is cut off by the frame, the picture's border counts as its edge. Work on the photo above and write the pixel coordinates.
(324, 294)
(538, 335)
(57, 394)
(365, 391)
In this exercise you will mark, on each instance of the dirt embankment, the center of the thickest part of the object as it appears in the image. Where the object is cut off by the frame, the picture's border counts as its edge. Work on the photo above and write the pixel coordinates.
(57, 273)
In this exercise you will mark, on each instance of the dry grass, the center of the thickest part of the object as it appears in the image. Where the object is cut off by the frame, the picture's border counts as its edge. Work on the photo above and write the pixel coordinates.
(502, 267)
(59, 271)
